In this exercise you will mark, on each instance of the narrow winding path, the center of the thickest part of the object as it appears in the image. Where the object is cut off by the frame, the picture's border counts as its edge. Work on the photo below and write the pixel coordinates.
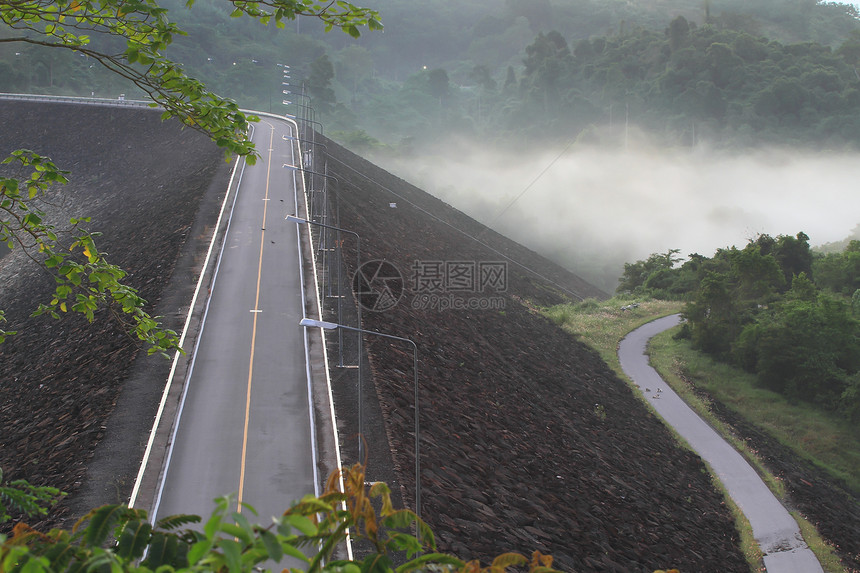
(773, 527)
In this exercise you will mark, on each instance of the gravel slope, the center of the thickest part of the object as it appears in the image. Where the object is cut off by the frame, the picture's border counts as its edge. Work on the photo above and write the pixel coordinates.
(528, 440)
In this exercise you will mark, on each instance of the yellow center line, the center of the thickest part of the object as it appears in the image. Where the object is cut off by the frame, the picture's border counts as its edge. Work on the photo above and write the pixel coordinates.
(256, 313)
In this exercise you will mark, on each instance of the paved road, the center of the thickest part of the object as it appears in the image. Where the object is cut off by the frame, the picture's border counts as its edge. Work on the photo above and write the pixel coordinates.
(773, 527)
(245, 423)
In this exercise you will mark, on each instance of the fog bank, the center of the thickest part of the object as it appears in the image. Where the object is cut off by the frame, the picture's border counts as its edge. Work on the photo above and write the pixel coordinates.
(594, 209)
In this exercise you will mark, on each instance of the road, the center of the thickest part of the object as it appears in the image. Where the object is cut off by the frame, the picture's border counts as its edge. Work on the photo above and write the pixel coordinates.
(773, 527)
(245, 423)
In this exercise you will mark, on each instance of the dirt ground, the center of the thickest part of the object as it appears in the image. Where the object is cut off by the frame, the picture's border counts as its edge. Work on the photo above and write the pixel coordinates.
(528, 441)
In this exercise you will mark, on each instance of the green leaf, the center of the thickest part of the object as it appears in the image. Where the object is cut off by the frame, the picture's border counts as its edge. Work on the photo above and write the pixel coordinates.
(377, 563)
(302, 523)
(31, 219)
(398, 541)
(176, 521)
(133, 539)
(101, 523)
(295, 552)
(272, 545)
(198, 550)
(237, 532)
(232, 554)
(163, 550)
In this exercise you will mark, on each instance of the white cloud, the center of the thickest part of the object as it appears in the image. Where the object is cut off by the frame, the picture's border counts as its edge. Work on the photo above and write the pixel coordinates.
(595, 209)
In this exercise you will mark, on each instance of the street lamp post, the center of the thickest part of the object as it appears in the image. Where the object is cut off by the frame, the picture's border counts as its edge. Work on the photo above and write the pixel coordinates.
(300, 140)
(310, 113)
(307, 102)
(309, 322)
(286, 70)
(317, 173)
(294, 219)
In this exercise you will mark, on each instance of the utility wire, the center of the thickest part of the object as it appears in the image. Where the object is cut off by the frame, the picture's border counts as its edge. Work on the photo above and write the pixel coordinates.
(474, 238)
(530, 185)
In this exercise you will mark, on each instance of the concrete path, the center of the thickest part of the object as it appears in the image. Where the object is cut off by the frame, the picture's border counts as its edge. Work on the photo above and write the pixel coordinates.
(773, 527)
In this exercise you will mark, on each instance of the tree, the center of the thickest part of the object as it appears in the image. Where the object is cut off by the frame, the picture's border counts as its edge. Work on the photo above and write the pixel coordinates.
(757, 273)
(807, 349)
(438, 84)
(545, 48)
(87, 26)
(319, 83)
(783, 97)
(839, 272)
(129, 39)
(793, 255)
(510, 79)
(726, 68)
(481, 75)
(637, 274)
(801, 342)
(678, 32)
(712, 314)
(355, 64)
(85, 280)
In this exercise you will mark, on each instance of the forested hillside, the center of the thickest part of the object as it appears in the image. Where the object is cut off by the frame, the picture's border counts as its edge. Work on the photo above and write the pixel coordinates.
(726, 70)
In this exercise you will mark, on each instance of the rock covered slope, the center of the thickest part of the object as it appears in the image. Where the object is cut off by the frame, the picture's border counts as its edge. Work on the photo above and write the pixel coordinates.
(528, 440)
(149, 187)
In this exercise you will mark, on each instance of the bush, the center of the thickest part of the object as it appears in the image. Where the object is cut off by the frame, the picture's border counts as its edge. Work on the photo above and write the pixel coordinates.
(117, 538)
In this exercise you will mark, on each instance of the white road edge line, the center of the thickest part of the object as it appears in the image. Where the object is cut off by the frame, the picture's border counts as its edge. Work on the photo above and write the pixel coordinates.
(314, 447)
(322, 333)
(148, 451)
(166, 466)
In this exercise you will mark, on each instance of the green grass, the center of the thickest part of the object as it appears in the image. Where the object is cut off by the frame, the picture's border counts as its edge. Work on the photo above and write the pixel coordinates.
(749, 546)
(666, 358)
(827, 441)
(602, 324)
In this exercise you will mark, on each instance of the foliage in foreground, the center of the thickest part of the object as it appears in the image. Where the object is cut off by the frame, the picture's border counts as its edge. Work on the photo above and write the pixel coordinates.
(85, 280)
(122, 539)
(21, 497)
(129, 39)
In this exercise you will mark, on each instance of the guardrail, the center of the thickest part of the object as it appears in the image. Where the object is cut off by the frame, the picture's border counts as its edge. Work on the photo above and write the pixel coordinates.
(78, 100)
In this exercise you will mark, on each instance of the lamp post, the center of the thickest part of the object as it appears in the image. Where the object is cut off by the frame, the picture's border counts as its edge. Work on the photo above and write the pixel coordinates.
(317, 173)
(302, 119)
(294, 219)
(309, 322)
(307, 102)
(300, 140)
(310, 113)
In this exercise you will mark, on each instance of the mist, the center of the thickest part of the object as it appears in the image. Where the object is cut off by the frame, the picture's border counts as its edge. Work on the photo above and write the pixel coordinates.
(592, 209)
